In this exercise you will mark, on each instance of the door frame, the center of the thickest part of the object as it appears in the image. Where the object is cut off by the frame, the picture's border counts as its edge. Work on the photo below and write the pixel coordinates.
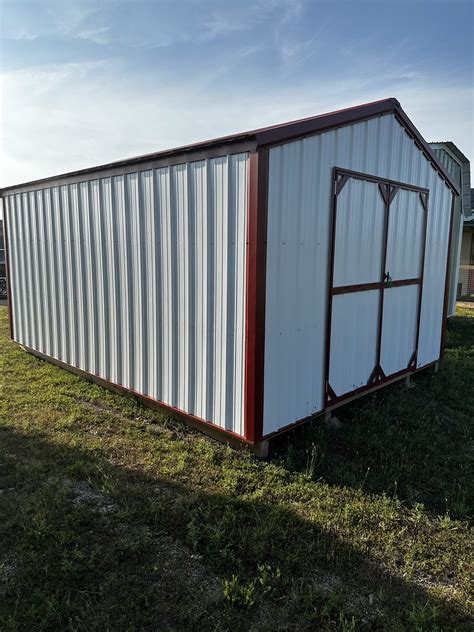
(388, 189)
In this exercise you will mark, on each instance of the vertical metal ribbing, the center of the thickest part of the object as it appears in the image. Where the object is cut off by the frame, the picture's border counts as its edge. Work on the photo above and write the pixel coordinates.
(46, 281)
(159, 274)
(116, 312)
(182, 283)
(19, 268)
(173, 331)
(129, 311)
(220, 258)
(230, 238)
(167, 294)
(123, 273)
(28, 269)
(138, 265)
(210, 308)
(139, 273)
(191, 276)
(58, 265)
(53, 281)
(107, 349)
(33, 242)
(148, 293)
(77, 256)
(85, 264)
(94, 299)
(200, 171)
(38, 281)
(26, 333)
(71, 264)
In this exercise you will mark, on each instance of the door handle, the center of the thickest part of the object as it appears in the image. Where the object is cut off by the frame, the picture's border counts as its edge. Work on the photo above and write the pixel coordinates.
(387, 278)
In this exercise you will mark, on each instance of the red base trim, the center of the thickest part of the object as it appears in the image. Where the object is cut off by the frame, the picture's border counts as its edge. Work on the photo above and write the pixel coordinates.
(196, 422)
(396, 377)
(379, 380)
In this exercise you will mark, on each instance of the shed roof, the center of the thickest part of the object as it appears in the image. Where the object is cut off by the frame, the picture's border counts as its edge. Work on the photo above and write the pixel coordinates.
(267, 136)
(453, 148)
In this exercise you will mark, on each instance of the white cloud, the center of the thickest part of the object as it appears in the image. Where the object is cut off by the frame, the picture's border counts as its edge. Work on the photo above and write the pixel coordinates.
(64, 117)
(97, 35)
(23, 34)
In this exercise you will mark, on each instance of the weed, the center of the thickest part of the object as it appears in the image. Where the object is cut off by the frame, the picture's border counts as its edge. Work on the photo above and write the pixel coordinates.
(423, 618)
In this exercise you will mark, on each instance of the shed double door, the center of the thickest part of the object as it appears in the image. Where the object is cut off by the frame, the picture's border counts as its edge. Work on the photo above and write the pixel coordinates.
(376, 279)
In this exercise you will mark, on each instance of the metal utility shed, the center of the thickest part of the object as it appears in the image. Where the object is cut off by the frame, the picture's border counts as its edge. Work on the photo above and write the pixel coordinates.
(459, 168)
(249, 282)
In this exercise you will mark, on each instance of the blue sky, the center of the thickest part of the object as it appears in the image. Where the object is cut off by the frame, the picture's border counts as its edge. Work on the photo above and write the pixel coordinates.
(89, 82)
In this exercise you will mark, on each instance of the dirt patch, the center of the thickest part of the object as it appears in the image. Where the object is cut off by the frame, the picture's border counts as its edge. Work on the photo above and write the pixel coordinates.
(85, 493)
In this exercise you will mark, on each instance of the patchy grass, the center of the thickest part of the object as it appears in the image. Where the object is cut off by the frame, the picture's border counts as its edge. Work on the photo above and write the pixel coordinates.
(114, 517)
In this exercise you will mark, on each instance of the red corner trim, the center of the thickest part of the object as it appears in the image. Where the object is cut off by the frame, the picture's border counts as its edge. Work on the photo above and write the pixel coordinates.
(255, 303)
(8, 270)
(446, 282)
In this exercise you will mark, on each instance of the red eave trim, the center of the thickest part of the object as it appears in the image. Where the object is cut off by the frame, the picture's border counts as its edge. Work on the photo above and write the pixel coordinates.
(323, 122)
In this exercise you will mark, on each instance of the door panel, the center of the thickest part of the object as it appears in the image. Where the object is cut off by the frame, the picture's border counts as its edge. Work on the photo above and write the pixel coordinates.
(399, 326)
(353, 341)
(379, 232)
(406, 233)
(359, 234)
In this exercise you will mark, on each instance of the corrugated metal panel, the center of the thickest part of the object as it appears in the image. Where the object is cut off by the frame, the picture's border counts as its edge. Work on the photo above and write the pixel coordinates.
(353, 340)
(140, 279)
(400, 312)
(300, 177)
(359, 220)
(406, 227)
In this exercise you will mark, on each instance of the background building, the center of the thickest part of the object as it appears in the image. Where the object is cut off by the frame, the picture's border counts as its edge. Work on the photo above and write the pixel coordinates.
(3, 276)
(458, 166)
(466, 261)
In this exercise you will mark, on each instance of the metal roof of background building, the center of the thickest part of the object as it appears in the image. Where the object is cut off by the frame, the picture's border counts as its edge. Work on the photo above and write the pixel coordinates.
(458, 167)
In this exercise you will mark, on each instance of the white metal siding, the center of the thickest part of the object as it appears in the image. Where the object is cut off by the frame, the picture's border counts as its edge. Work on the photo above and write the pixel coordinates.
(299, 211)
(140, 279)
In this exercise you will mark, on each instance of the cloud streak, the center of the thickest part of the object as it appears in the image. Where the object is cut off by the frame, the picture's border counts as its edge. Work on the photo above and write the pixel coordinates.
(65, 117)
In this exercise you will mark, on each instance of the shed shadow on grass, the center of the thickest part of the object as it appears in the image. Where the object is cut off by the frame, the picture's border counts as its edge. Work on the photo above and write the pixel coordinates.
(412, 444)
(86, 545)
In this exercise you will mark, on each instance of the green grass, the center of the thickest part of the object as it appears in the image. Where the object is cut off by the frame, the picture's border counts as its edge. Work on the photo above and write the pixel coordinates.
(114, 517)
